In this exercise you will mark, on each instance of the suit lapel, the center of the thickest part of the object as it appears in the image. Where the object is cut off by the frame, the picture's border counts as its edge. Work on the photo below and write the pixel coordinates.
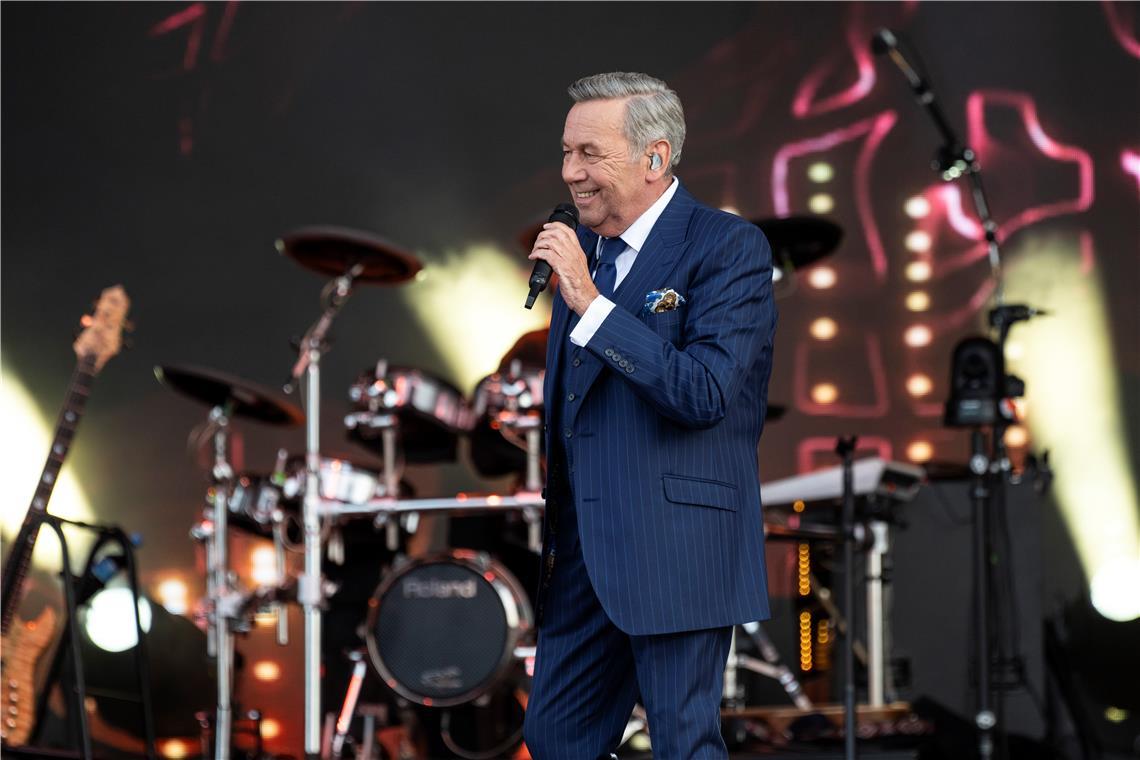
(659, 255)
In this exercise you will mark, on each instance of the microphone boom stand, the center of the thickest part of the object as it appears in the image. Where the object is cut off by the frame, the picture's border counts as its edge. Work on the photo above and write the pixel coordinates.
(953, 160)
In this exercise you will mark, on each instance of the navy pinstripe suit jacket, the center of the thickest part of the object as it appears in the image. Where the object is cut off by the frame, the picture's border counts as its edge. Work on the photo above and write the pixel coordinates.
(661, 436)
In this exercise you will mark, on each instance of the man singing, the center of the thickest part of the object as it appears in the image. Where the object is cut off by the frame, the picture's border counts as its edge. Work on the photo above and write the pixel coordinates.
(656, 387)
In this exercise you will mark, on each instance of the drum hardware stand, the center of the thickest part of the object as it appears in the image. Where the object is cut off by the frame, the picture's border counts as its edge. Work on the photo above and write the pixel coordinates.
(309, 591)
(106, 535)
(845, 447)
(770, 665)
(348, 709)
(826, 600)
(388, 425)
(229, 610)
(215, 535)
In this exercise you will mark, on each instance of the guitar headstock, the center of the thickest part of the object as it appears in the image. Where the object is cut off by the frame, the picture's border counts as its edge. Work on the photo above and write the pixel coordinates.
(102, 336)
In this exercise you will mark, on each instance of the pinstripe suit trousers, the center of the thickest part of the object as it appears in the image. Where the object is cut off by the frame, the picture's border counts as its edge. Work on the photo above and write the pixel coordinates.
(589, 673)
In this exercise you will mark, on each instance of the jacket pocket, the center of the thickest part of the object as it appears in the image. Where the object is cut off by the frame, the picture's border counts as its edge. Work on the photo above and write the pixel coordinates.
(706, 493)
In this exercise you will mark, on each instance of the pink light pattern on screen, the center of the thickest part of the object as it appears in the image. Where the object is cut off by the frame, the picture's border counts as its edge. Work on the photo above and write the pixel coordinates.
(192, 14)
(983, 144)
(1119, 17)
(1130, 162)
(805, 103)
(878, 408)
(218, 50)
(874, 129)
(809, 448)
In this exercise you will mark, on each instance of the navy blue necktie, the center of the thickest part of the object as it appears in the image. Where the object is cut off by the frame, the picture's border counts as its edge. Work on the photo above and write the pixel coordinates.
(605, 276)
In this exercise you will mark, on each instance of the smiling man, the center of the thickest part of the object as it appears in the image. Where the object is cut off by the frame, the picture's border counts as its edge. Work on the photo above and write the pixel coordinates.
(658, 362)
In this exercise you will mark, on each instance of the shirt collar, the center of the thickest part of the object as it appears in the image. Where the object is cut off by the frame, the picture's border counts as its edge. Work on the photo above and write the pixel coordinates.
(636, 234)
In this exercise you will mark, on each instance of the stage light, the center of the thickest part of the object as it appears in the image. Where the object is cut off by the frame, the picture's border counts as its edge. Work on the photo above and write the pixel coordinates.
(917, 336)
(919, 385)
(822, 277)
(1075, 411)
(175, 749)
(918, 241)
(26, 441)
(917, 207)
(1016, 436)
(821, 203)
(824, 328)
(1014, 351)
(919, 451)
(266, 670)
(109, 621)
(271, 729)
(1115, 591)
(820, 172)
(919, 271)
(824, 393)
(174, 595)
(1115, 714)
(263, 566)
(917, 300)
(467, 292)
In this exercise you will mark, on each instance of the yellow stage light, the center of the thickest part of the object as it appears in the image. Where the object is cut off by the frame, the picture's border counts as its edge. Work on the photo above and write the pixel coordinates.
(821, 203)
(918, 241)
(917, 336)
(470, 305)
(919, 271)
(919, 451)
(263, 565)
(824, 393)
(824, 328)
(1075, 412)
(820, 172)
(266, 670)
(917, 207)
(26, 440)
(822, 277)
(175, 749)
(919, 385)
(917, 300)
(271, 729)
(174, 595)
(1016, 436)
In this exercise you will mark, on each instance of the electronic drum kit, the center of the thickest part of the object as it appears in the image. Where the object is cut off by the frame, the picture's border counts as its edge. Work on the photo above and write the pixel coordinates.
(444, 629)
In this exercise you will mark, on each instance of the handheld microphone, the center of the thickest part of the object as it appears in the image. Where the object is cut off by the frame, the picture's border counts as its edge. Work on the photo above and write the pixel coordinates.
(567, 213)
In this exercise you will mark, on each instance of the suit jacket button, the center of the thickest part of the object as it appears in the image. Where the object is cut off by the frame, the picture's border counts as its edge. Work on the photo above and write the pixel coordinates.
(570, 397)
(569, 433)
(576, 362)
(629, 368)
(608, 352)
(617, 357)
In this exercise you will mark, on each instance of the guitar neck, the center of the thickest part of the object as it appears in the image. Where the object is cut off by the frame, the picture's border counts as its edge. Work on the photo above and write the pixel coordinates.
(20, 556)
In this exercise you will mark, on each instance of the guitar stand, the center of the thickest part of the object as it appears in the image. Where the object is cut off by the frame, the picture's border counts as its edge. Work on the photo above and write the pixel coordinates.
(77, 714)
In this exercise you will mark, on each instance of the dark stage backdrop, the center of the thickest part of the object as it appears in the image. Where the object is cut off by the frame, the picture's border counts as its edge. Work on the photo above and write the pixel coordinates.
(166, 146)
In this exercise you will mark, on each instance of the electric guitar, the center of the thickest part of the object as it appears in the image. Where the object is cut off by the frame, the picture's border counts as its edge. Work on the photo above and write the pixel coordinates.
(101, 339)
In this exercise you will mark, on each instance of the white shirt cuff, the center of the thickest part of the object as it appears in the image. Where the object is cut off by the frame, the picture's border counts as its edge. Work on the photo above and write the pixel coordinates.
(596, 313)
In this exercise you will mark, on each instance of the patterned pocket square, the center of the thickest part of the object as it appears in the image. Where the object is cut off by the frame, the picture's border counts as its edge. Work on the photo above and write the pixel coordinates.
(659, 301)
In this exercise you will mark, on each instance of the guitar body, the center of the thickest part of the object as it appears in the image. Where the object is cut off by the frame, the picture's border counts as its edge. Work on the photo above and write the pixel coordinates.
(20, 651)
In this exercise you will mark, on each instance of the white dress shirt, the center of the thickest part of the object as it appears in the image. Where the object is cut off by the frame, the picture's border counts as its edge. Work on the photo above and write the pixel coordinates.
(634, 238)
